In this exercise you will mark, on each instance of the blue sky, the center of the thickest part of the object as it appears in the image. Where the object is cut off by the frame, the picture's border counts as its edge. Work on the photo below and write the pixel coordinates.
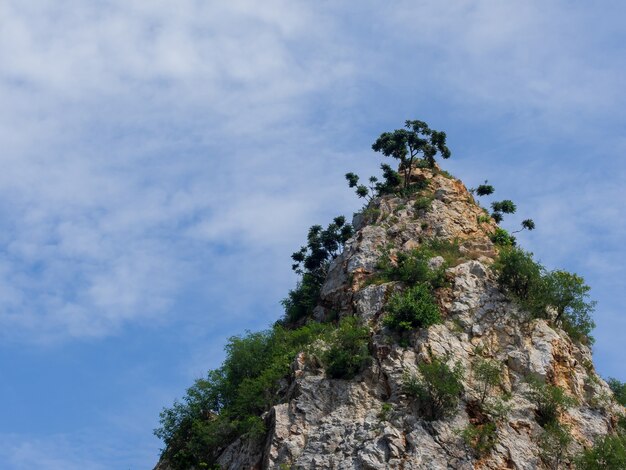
(161, 160)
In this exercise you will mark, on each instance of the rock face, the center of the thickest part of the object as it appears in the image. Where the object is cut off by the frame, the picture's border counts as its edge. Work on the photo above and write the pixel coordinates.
(369, 423)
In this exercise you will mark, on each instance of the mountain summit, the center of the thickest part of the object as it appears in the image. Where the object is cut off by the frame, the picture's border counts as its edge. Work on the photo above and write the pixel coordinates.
(444, 346)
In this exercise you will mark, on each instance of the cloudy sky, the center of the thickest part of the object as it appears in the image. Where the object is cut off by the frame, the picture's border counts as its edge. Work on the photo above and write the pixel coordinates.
(161, 160)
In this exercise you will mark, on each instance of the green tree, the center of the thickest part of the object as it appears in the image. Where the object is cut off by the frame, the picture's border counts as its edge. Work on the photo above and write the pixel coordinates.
(484, 189)
(414, 308)
(415, 141)
(568, 295)
(312, 262)
(488, 374)
(550, 401)
(554, 443)
(619, 390)
(390, 183)
(608, 453)
(348, 353)
(437, 389)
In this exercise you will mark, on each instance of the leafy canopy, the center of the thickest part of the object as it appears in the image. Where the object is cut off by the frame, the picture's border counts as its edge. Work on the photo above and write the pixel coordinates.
(437, 389)
(415, 141)
(311, 262)
(555, 295)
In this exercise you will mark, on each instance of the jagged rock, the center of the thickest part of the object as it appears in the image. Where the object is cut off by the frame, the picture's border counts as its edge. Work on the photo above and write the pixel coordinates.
(339, 424)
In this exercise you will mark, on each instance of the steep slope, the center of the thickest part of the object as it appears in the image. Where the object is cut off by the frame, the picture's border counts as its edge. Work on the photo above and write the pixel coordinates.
(373, 421)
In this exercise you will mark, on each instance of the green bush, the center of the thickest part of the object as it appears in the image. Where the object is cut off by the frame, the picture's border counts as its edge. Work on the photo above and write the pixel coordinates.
(488, 374)
(554, 444)
(230, 401)
(312, 262)
(348, 353)
(537, 290)
(412, 268)
(501, 237)
(608, 453)
(301, 301)
(550, 401)
(437, 389)
(414, 308)
(619, 390)
(482, 438)
(518, 273)
(423, 203)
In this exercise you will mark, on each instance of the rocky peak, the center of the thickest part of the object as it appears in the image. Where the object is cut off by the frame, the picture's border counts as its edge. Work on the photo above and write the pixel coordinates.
(371, 421)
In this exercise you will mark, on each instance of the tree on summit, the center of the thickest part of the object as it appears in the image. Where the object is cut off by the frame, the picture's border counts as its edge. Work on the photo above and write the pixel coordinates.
(416, 141)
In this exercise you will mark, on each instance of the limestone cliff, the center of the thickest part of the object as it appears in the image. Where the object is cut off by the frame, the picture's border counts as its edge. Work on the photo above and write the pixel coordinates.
(369, 422)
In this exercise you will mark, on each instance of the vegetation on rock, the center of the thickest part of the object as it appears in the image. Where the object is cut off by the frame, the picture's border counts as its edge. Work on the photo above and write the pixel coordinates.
(415, 142)
(437, 389)
(233, 400)
(311, 262)
(558, 296)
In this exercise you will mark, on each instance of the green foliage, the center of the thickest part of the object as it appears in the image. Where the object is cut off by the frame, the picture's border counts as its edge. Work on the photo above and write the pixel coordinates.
(505, 207)
(389, 185)
(411, 268)
(414, 308)
(484, 189)
(568, 295)
(230, 400)
(518, 273)
(322, 246)
(550, 400)
(437, 389)
(501, 237)
(413, 142)
(488, 375)
(608, 453)
(483, 219)
(385, 411)
(348, 353)
(311, 262)
(482, 438)
(450, 251)
(554, 443)
(423, 203)
(301, 301)
(619, 390)
(537, 290)
(528, 224)
(497, 217)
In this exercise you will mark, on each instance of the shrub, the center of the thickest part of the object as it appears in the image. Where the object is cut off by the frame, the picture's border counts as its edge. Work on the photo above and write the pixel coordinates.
(501, 237)
(608, 453)
(484, 189)
(301, 301)
(567, 294)
(483, 219)
(348, 353)
(449, 250)
(385, 411)
(506, 207)
(414, 308)
(230, 401)
(538, 290)
(437, 389)
(480, 437)
(423, 203)
(411, 268)
(549, 400)
(312, 262)
(518, 273)
(488, 374)
(553, 445)
(619, 390)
